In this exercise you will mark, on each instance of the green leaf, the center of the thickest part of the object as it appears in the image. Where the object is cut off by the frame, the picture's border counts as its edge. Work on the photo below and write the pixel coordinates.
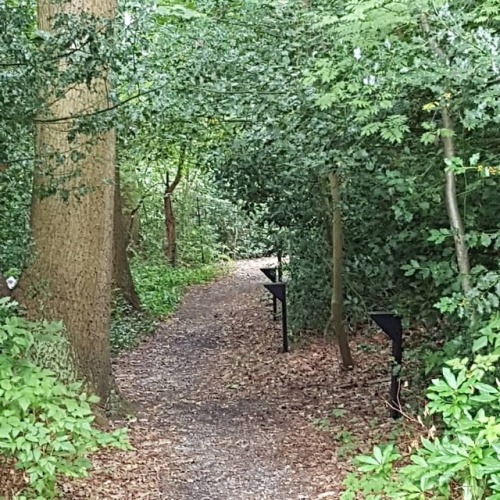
(489, 389)
(450, 378)
(419, 461)
(484, 398)
(486, 240)
(377, 453)
(24, 402)
(364, 459)
(480, 343)
(5, 431)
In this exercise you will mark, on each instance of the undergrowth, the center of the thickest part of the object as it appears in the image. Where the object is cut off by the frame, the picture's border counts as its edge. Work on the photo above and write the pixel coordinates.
(128, 326)
(160, 287)
(46, 426)
(459, 452)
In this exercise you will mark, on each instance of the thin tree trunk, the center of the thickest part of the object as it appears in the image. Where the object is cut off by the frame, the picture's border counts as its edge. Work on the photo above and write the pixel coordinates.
(132, 222)
(70, 276)
(131, 219)
(170, 229)
(168, 207)
(452, 209)
(337, 303)
(122, 277)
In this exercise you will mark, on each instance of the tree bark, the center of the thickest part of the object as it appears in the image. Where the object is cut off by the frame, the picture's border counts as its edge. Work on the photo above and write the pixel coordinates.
(70, 276)
(452, 209)
(168, 207)
(122, 277)
(170, 229)
(452, 206)
(337, 303)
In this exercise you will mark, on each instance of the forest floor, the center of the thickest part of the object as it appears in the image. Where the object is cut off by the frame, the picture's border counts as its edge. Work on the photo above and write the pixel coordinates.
(221, 414)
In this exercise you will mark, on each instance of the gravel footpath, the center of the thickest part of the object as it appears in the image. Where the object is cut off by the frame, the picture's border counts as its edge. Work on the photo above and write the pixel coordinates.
(223, 447)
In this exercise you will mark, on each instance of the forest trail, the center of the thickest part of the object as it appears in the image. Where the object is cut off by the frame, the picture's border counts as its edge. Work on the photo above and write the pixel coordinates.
(225, 444)
(223, 415)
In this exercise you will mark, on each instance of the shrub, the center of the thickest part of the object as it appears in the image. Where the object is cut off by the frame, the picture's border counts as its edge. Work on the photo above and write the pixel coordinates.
(45, 425)
(465, 455)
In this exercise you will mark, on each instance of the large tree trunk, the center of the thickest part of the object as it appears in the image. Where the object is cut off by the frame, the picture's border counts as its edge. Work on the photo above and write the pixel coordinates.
(122, 277)
(337, 304)
(70, 276)
(4, 289)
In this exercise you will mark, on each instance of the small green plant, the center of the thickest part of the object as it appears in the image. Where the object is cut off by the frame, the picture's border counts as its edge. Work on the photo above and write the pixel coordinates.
(45, 426)
(338, 412)
(348, 444)
(368, 348)
(322, 424)
(376, 472)
(346, 437)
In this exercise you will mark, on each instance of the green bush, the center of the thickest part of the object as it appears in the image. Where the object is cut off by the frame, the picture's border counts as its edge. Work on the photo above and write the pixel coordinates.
(464, 456)
(45, 426)
(160, 287)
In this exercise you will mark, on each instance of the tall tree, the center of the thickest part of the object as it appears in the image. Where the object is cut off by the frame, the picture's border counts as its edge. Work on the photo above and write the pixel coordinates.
(69, 278)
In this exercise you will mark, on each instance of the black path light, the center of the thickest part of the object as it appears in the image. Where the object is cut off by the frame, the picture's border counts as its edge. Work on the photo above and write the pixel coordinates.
(278, 291)
(270, 272)
(392, 326)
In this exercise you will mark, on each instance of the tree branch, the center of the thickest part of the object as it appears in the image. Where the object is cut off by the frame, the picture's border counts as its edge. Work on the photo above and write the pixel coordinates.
(101, 111)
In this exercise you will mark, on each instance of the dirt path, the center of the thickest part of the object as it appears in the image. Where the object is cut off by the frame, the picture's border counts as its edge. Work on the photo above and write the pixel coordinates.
(222, 415)
(225, 447)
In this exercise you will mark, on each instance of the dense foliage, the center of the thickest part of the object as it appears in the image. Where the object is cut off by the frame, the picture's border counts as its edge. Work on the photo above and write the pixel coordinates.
(45, 426)
(232, 117)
